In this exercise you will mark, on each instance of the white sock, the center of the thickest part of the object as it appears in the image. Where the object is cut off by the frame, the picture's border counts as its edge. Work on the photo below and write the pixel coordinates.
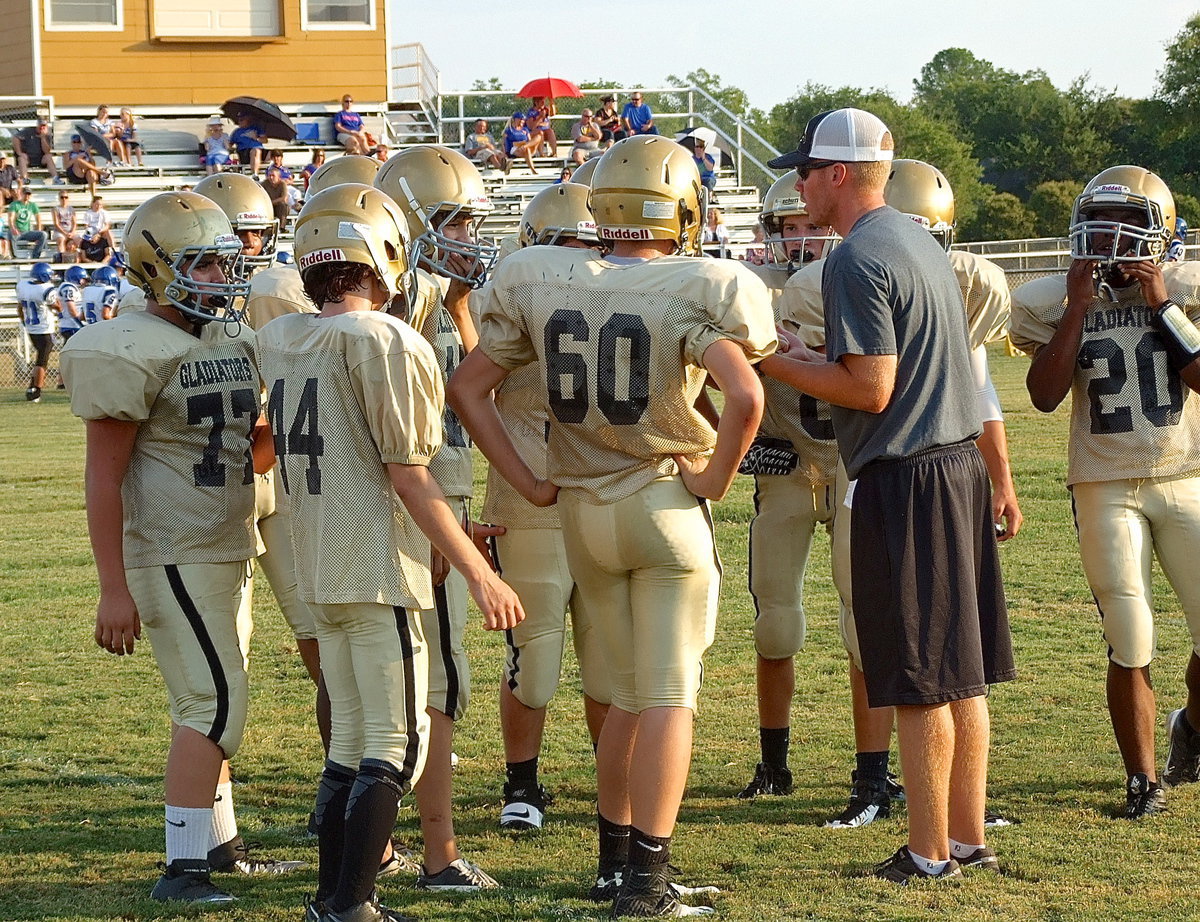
(188, 829)
(958, 850)
(928, 865)
(224, 824)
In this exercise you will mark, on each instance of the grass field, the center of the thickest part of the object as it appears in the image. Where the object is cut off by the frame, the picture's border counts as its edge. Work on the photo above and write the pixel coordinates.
(83, 736)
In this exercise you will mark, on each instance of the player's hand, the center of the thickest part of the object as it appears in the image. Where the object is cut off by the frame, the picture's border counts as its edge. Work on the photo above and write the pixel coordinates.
(467, 267)
(544, 493)
(479, 534)
(1081, 282)
(1149, 275)
(498, 602)
(700, 479)
(1007, 512)
(118, 625)
(439, 567)
(791, 345)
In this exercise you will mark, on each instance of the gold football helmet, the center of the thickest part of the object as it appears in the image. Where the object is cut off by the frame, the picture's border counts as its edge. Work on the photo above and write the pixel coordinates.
(434, 185)
(558, 212)
(171, 234)
(346, 168)
(583, 172)
(356, 223)
(1144, 218)
(648, 188)
(783, 201)
(247, 207)
(920, 191)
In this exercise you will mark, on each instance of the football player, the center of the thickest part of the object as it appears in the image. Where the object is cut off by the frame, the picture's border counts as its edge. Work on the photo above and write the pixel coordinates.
(35, 296)
(346, 168)
(443, 200)
(1118, 333)
(793, 460)
(70, 302)
(625, 343)
(100, 297)
(171, 405)
(531, 557)
(356, 407)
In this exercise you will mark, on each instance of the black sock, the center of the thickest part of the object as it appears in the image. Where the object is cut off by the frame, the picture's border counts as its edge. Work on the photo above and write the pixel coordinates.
(370, 816)
(774, 745)
(872, 766)
(1185, 723)
(522, 776)
(614, 843)
(647, 850)
(329, 818)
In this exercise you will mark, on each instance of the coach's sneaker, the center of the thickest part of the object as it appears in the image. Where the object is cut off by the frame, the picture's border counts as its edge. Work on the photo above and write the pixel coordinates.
(33, 394)
(524, 807)
(370, 911)
(234, 857)
(992, 819)
(982, 859)
(768, 779)
(459, 876)
(1143, 797)
(869, 801)
(901, 869)
(648, 892)
(402, 860)
(187, 881)
(1183, 751)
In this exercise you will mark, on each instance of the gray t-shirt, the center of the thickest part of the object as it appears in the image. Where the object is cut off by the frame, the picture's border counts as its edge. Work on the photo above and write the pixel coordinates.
(888, 289)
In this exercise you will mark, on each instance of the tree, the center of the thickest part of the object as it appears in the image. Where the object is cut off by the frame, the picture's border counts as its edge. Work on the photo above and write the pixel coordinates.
(1051, 203)
(1000, 216)
(1179, 80)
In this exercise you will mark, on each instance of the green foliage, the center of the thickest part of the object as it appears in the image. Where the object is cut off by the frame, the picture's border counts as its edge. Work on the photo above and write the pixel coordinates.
(1001, 216)
(1179, 80)
(1051, 204)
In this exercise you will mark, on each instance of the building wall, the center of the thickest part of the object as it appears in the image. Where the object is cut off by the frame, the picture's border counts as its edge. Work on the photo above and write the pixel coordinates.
(16, 50)
(134, 69)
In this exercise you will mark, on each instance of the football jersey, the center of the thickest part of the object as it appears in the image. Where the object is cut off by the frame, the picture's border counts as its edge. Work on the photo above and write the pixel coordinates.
(189, 489)
(797, 417)
(95, 299)
(985, 294)
(69, 292)
(35, 300)
(451, 466)
(609, 335)
(274, 292)
(348, 394)
(1132, 416)
(132, 300)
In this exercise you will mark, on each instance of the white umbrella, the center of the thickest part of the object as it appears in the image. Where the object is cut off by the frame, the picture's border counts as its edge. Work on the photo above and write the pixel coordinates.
(689, 136)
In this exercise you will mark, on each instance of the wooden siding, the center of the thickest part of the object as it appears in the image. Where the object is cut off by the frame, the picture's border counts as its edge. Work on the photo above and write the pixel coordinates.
(300, 67)
(16, 50)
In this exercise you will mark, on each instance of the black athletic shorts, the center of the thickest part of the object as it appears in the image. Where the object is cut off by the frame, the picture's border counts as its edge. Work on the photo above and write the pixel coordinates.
(42, 344)
(928, 597)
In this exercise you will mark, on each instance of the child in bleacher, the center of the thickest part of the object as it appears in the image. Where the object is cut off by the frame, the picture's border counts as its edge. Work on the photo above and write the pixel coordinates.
(129, 137)
(216, 146)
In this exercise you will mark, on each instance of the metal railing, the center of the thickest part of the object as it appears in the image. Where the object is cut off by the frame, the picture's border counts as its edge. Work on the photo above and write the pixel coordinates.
(18, 111)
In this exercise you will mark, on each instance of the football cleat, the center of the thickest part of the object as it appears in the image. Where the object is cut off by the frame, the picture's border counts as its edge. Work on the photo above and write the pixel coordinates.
(768, 779)
(607, 885)
(1183, 751)
(460, 876)
(1143, 797)
(370, 911)
(234, 857)
(33, 394)
(901, 869)
(187, 881)
(869, 801)
(991, 819)
(647, 891)
(982, 859)
(402, 860)
(524, 808)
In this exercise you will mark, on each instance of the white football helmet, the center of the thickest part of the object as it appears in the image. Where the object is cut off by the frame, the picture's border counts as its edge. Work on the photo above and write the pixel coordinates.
(1144, 218)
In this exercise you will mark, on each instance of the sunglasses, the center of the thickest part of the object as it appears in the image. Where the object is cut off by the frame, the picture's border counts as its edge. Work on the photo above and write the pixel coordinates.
(809, 168)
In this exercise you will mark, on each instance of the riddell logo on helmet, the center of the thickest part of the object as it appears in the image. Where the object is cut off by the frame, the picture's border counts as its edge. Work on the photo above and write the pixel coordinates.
(333, 255)
(1113, 187)
(626, 233)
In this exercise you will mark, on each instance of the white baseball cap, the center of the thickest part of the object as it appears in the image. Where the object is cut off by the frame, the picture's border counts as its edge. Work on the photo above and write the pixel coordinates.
(845, 135)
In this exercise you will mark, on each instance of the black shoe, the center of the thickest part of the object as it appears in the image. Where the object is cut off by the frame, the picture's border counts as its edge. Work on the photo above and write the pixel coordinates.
(524, 808)
(370, 911)
(894, 788)
(33, 394)
(647, 891)
(982, 859)
(607, 885)
(869, 801)
(1183, 752)
(1143, 797)
(187, 881)
(234, 857)
(401, 860)
(991, 819)
(901, 869)
(768, 779)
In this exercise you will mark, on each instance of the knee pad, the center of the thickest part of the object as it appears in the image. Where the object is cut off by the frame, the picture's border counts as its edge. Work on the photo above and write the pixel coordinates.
(779, 633)
(533, 669)
(333, 792)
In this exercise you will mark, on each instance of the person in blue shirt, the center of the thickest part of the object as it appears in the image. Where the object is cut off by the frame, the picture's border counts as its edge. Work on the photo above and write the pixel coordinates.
(349, 130)
(537, 120)
(637, 117)
(517, 140)
(248, 138)
(707, 165)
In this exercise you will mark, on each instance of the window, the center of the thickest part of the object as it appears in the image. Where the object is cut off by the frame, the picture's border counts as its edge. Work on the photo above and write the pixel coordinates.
(338, 14)
(216, 18)
(84, 15)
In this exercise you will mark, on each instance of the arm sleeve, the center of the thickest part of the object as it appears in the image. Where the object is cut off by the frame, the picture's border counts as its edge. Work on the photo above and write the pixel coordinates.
(107, 386)
(858, 313)
(403, 402)
(502, 337)
(985, 391)
(744, 316)
(1027, 327)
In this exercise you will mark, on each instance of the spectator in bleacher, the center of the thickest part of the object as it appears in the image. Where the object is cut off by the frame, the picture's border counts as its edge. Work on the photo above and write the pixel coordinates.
(564, 175)
(609, 121)
(756, 253)
(66, 229)
(518, 141)
(537, 121)
(285, 174)
(216, 146)
(349, 129)
(129, 137)
(381, 152)
(481, 147)
(97, 227)
(35, 144)
(25, 224)
(81, 170)
(636, 117)
(110, 131)
(10, 181)
(247, 140)
(277, 191)
(318, 160)
(587, 135)
(706, 164)
(715, 231)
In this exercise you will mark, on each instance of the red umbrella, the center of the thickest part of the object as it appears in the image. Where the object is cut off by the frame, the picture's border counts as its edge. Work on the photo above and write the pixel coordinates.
(550, 87)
